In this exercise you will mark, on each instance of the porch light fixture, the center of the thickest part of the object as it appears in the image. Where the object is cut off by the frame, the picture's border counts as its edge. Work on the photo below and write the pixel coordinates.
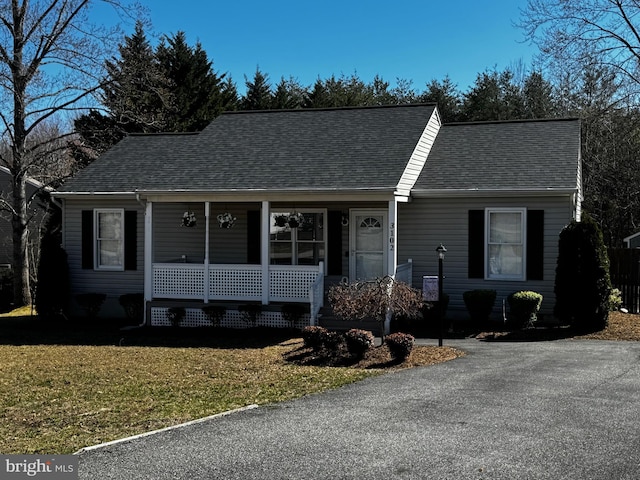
(226, 220)
(441, 251)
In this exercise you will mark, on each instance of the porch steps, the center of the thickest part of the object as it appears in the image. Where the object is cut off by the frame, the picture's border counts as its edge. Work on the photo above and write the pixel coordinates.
(330, 322)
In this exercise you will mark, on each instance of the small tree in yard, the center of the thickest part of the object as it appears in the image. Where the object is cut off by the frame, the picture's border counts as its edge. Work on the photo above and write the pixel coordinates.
(374, 299)
(583, 284)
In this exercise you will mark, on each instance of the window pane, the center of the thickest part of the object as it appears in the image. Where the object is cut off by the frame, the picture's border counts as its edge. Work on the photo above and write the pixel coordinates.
(281, 253)
(110, 253)
(311, 228)
(505, 260)
(505, 227)
(310, 253)
(109, 239)
(109, 224)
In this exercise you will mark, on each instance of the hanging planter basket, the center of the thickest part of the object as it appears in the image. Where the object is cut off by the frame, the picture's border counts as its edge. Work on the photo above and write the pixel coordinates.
(280, 221)
(295, 220)
(226, 220)
(189, 219)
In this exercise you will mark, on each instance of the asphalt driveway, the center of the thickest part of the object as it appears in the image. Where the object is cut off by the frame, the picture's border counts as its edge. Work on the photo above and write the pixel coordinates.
(548, 410)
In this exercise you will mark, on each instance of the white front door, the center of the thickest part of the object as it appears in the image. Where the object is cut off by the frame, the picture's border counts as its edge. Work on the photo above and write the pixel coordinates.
(368, 242)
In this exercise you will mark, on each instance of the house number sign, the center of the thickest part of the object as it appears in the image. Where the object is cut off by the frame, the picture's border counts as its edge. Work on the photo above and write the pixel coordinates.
(392, 236)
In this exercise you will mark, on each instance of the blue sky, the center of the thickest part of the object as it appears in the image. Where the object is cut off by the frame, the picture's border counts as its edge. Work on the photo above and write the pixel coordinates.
(410, 39)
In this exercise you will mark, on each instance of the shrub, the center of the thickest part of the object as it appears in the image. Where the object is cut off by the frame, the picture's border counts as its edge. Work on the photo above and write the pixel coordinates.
(312, 336)
(214, 313)
(91, 303)
(331, 340)
(615, 300)
(479, 304)
(359, 341)
(175, 315)
(133, 305)
(583, 285)
(523, 308)
(53, 290)
(292, 312)
(6, 291)
(400, 345)
(373, 299)
(250, 313)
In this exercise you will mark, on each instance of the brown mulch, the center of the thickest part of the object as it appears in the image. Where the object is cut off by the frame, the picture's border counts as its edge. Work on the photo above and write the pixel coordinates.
(375, 358)
(621, 327)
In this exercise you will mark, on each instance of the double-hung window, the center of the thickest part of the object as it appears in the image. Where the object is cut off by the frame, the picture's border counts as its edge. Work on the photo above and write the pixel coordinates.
(505, 243)
(297, 238)
(109, 239)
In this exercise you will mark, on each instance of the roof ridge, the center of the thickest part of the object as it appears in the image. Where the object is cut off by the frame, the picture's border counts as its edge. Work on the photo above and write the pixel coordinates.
(329, 109)
(518, 120)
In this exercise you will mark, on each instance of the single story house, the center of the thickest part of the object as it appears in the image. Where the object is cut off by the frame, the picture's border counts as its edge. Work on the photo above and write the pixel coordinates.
(274, 206)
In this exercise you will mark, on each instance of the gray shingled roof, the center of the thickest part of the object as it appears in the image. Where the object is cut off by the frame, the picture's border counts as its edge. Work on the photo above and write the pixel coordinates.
(333, 149)
(518, 155)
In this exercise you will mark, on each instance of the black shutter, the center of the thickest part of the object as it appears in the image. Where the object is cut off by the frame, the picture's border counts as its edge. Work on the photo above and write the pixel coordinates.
(87, 239)
(253, 236)
(535, 245)
(130, 240)
(476, 244)
(334, 242)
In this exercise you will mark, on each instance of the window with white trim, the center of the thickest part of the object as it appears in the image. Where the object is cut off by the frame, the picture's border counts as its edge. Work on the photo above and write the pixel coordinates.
(109, 239)
(297, 238)
(505, 243)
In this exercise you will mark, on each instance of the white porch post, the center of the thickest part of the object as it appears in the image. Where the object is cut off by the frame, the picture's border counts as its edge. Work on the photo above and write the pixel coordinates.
(264, 251)
(207, 210)
(392, 252)
(148, 253)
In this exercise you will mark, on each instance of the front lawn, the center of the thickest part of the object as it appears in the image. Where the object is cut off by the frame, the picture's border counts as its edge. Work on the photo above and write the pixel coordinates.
(68, 386)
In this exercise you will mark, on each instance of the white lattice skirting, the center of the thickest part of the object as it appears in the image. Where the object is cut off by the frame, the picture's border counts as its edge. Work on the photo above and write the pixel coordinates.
(195, 317)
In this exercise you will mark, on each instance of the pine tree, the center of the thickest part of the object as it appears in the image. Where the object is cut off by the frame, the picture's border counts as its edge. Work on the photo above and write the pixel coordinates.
(259, 95)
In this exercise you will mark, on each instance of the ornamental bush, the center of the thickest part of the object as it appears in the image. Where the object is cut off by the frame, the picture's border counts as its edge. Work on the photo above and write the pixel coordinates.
(133, 305)
(523, 308)
(399, 345)
(479, 304)
(91, 303)
(312, 336)
(358, 341)
(175, 315)
(583, 285)
(292, 312)
(214, 313)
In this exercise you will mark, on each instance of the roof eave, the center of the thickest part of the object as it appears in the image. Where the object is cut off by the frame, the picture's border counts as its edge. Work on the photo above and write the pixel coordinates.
(488, 192)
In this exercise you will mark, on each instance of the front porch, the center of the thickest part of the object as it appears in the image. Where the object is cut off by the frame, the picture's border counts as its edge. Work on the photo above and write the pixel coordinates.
(194, 286)
(260, 261)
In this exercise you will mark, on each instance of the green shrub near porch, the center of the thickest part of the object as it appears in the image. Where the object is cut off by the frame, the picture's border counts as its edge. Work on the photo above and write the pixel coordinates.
(523, 308)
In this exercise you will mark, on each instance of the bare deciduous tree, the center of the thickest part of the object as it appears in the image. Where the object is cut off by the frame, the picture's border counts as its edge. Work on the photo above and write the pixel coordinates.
(51, 62)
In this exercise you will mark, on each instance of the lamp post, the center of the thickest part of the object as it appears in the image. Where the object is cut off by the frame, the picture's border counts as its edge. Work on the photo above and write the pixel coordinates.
(441, 251)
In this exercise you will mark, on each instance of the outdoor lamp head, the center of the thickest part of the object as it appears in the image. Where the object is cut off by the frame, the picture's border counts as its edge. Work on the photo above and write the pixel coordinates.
(441, 251)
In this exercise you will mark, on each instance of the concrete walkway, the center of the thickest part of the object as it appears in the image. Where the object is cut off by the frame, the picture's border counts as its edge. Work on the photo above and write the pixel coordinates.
(549, 410)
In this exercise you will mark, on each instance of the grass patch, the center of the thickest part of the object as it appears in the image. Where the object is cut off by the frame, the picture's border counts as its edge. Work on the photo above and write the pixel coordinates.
(66, 386)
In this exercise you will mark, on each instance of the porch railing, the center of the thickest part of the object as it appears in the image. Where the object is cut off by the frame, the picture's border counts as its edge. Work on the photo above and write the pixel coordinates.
(404, 272)
(287, 283)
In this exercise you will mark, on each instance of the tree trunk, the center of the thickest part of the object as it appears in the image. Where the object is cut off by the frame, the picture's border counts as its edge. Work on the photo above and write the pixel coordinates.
(21, 276)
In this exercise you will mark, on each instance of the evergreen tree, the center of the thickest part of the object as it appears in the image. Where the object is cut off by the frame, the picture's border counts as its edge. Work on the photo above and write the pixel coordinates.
(137, 92)
(259, 95)
(196, 89)
(582, 284)
(445, 94)
(289, 94)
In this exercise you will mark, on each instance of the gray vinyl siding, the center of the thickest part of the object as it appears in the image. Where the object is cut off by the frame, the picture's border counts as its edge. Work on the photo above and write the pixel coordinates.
(111, 283)
(171, 240)
(426, 222)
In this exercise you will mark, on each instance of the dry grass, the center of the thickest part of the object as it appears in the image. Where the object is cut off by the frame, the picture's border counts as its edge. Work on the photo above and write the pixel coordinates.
(63, 388)
(67, 386)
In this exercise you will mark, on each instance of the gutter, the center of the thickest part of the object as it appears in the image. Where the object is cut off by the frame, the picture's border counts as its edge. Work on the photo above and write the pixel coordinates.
(477, 192)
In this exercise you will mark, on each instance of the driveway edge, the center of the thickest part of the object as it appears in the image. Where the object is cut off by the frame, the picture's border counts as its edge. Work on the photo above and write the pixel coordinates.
(166, 429)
